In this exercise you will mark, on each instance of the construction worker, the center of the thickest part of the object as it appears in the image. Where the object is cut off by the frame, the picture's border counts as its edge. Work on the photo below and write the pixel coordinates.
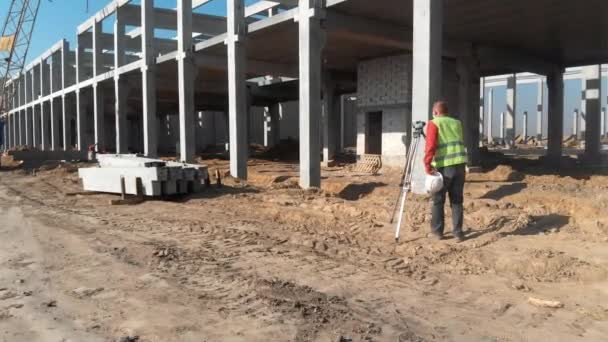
(445, 153)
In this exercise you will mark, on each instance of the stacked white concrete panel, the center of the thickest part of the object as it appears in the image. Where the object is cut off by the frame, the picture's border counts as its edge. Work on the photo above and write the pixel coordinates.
(158, 177)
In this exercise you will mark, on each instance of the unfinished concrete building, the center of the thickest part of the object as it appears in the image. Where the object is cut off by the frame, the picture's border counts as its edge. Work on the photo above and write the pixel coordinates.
(173, 80)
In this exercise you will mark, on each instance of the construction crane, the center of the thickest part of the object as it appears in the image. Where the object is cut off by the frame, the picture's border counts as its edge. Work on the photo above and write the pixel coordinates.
(15, 42)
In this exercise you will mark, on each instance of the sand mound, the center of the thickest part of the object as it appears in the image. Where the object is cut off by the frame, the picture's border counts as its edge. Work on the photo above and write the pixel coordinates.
(502, 173)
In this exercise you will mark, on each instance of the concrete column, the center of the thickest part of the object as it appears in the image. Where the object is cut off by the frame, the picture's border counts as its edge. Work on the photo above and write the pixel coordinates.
(36, 142)
(148, 79)
(342, 113)
(66, 111)
(502, 127)
(329, 119)
(5, 135)
(237, 91)
(26, 120)
(44, 78)
(15, 129)
(44, 122)
(33, 84)
(35, 139)
(272, 124)
(311, 40)
(582, 122)
(22, 127)
(98, 110)
(555, 133)
(28, 126)
(575, 123)
(540, 108)
(81, 115)
(98, 115)
(121, 90)
(482, 100)
(55, 85)
(120, 86)
(9, 131)
(604, 122)
(490, 114)
(56, 110)
(226, 130)
(525, 126)
(54, 129)
(592, 78)
(82, 120)
(468, 104)
(427, 66)
(185, 75)
(510, 124)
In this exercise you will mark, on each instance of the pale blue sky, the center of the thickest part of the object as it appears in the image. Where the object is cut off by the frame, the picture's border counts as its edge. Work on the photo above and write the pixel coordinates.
(59, 18)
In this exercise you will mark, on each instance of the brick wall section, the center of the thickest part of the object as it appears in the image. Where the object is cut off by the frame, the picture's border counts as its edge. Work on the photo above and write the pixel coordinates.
(385, 81)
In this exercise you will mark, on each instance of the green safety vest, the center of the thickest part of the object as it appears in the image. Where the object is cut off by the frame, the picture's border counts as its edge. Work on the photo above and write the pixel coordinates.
(450, 147)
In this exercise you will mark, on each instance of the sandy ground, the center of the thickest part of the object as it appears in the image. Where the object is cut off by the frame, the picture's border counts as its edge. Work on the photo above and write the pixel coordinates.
(266, 261)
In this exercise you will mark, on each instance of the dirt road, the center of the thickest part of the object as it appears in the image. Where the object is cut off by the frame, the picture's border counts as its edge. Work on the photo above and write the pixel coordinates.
(262, 263)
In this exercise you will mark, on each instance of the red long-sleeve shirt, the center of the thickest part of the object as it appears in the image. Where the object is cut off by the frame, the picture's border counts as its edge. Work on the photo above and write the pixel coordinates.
(432, 139)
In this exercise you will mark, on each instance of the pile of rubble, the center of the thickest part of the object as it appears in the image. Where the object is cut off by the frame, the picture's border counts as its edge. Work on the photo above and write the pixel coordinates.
(131, 174)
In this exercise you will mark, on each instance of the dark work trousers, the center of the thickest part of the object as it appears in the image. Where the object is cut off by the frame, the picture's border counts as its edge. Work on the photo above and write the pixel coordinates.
(453, 185)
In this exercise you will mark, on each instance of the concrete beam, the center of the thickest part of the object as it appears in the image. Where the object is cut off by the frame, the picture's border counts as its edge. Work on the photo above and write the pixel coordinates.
(165, 18)
(520, 61)
(381, 33)
(102, 14)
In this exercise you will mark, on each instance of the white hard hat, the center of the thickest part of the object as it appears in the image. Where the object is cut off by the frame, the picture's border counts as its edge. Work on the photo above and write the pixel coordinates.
(433, 183)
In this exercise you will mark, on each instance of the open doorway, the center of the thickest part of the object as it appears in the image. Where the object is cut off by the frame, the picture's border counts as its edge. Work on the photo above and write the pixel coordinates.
(373, 133)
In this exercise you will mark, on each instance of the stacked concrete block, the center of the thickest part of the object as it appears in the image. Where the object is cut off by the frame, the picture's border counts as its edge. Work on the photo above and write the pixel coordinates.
(158, 177)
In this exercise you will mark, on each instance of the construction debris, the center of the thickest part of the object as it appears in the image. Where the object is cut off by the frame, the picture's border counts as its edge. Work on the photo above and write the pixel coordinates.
(545, 303)
(119, 173)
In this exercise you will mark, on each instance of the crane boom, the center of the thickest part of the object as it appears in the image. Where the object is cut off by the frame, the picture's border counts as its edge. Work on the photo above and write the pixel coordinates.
(15, 42)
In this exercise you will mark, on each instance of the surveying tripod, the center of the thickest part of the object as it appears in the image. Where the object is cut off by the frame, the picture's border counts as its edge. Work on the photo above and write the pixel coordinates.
(406, 178)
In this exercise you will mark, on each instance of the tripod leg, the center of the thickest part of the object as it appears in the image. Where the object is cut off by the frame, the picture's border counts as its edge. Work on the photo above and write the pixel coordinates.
(404, 178)
(407, 185)
(398, 230)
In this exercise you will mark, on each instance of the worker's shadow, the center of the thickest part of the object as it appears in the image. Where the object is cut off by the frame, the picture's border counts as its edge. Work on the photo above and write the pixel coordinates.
(504, 191)
(353, 192)
(538, 225)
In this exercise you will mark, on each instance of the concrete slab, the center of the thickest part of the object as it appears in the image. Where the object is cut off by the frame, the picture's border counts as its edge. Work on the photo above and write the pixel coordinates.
(108, 179)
